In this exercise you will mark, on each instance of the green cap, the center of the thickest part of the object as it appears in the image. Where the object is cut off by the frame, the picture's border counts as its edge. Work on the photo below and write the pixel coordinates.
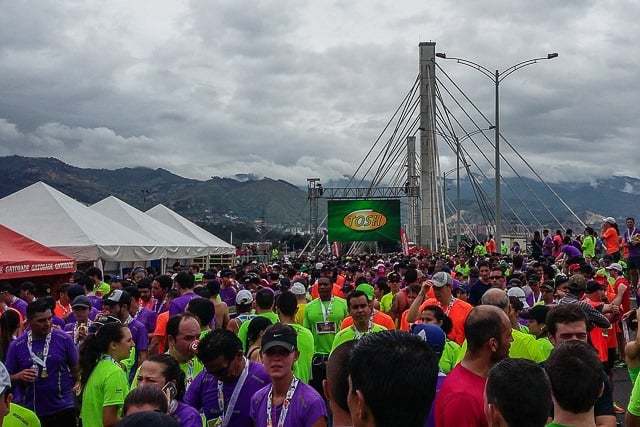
(367, 289)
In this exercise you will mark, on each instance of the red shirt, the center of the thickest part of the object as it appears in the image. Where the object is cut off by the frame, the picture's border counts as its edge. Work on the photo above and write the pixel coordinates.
(460, 401)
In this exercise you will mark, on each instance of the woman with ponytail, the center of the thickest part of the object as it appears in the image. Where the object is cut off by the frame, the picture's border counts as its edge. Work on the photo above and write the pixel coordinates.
(103, 381)
(163, 371)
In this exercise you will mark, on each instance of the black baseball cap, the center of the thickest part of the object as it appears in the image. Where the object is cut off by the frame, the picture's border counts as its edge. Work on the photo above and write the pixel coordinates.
(117, 296)
(279, 335)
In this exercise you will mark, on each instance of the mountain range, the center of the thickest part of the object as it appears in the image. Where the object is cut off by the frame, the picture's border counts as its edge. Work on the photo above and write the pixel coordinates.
(251, 205)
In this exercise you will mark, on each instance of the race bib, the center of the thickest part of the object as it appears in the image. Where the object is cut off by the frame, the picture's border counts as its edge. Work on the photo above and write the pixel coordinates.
(326, 328)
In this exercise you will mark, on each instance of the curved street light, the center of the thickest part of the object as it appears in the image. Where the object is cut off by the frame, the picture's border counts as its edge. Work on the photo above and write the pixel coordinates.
(497, 77)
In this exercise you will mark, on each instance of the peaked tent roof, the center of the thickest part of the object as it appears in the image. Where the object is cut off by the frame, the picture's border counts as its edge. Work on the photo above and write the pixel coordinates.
(177, 245)
(167, 216)
(54, 219)
(22, 257)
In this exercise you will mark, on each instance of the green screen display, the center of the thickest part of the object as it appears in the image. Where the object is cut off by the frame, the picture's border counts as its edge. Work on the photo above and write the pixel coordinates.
(364, 220)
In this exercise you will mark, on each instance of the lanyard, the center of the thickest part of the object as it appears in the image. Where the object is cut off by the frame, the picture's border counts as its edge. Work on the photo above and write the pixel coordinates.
(45, 352)
(140, 307)
(226, 414)
(128, 321)
(450, 306)
(358, 334)
(285, 404)
(326, 311)
(189, 377)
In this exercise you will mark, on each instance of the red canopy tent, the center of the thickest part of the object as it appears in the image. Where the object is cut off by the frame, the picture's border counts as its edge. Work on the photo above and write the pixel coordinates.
(21, 257)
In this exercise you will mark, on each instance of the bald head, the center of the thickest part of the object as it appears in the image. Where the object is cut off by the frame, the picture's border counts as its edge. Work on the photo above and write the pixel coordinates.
(337, 384)
(484, 323)
(497, 298)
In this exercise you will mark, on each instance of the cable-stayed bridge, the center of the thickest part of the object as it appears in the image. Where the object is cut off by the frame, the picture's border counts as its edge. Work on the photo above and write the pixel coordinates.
(436, 114)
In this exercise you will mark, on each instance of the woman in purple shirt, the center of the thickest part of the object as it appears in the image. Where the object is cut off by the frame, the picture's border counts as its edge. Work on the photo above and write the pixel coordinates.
(163, 371)
(287, 401)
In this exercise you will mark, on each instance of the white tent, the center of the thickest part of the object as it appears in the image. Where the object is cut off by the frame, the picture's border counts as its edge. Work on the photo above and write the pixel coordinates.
(54, 219)
(176, 244)
(216, 245)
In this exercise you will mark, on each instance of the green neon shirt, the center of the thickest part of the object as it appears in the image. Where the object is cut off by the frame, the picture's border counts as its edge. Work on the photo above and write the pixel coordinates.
(545, 347)
(449, 357)
(103, 288)
(306, 348)
(244, 328)
(107, 386)
(634, 400)
(349, 334)
(523, 346)
(19, 416)
(313, 316)
(385, 303)
(589, 246)
(463, 270)
(633, 373)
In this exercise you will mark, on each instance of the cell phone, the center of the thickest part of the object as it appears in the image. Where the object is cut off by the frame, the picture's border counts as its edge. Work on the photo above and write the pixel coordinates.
(170, 390)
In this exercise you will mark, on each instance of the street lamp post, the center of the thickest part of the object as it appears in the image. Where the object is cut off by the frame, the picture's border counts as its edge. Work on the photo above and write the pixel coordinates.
(458, 143)
(497, 78)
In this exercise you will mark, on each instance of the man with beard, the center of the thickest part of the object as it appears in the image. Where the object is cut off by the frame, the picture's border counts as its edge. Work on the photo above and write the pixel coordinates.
(460, 402)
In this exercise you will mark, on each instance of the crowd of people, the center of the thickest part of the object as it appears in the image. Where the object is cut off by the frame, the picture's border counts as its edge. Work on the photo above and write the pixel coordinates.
(462, 338)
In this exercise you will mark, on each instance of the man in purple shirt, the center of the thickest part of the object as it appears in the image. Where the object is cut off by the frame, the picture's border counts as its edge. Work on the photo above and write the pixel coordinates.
(79, 328)
(631, 239)
(184, 283)
(287, 401)
(547, 244)
(117, 304)
(159, 288)
(220, 351)
(43, 364)
(227, 289)
(139, 312)
(10, 300)
(73, 292)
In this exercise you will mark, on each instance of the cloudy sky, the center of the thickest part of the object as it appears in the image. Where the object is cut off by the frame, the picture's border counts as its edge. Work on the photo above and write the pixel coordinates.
(292, 89)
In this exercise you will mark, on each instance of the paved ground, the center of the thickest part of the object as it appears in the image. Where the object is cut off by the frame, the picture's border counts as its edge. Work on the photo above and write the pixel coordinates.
(621, 389)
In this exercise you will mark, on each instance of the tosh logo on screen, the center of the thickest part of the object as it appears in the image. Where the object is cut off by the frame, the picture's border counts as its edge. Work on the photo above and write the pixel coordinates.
(364, 220)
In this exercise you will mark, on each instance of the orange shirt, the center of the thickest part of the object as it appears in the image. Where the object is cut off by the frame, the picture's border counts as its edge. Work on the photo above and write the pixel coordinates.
(404, 323)
(598, 340)
(458, 315)
(490, 246)
(379, 318)
(61, 311)
(161, 330)
(337, 291)
(611, 240)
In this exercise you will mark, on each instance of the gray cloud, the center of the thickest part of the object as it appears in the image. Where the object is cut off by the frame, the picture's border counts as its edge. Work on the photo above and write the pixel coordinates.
(293, 89)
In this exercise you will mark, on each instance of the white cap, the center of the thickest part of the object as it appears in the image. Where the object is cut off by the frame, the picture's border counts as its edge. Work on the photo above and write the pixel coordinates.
(518, 293)
(298, 289)
(244, 297)
(441, 279)
(615, 266)
(609, 219)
